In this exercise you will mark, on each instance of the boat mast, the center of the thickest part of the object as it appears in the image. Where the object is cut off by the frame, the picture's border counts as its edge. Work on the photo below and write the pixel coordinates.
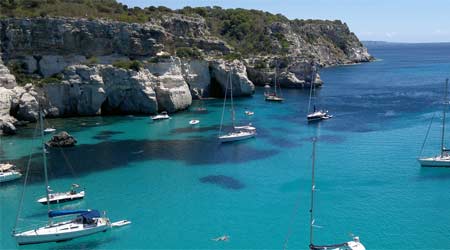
(44, 156)
(444, 116)
(223, 108)
(233, 118)
(275, 83)
(313, 186)
(311, 88)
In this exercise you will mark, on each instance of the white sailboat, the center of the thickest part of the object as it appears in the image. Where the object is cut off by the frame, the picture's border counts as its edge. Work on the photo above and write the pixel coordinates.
(273, 96)
(315, 115)
(238, 133)
(443, 159)
(8, 172)
(354, 244)
(87, 222)
(61, 197)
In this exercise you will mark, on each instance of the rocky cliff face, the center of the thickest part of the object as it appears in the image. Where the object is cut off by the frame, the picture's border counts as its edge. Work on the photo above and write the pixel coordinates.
(73, 66)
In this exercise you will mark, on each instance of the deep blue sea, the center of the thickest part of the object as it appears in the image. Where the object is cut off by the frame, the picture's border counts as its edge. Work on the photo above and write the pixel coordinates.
(180, 188)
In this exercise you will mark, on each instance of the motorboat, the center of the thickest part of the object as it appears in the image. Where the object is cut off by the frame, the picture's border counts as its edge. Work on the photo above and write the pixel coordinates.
(273, 98)
(249, 113)
(194, 122)
(49, 130)
(56, 198)
(162, 116)
(8, 172)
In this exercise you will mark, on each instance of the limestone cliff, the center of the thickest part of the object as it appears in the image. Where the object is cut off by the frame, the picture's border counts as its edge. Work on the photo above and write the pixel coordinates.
(154, 59)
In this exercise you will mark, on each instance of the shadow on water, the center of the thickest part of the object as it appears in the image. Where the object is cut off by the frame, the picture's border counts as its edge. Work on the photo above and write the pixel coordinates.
(283, 142)
(434, 174)
(335, 139)
(106, 134)
(86, 158)
(223, 181)
(92, 242)
(192, 129)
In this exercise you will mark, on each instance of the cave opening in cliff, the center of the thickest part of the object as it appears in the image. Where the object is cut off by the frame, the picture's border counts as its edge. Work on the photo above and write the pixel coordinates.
(106, 109)
(215, 89)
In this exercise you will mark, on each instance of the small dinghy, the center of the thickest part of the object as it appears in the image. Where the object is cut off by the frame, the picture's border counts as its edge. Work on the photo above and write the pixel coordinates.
(49, 130)
(222, 238)
(194, 122)
(120, 223)
(249, 113)
(161, 116)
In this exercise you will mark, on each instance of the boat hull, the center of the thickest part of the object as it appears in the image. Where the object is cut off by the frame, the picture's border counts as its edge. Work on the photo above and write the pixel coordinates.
(435, 162)
(228, 138)
(63, 231)
(62, 198)
(9, 176)
(274, 99)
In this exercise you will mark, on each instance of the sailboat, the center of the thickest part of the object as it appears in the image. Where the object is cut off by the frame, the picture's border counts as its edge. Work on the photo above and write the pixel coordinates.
(56, 198)
(238, 133)
(315, 115)
(443, 159)
(273, 96)
(354, 244)
(86, 222)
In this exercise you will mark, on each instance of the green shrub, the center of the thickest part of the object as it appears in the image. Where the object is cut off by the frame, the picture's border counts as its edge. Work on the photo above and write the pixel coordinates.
(187, 52)
(129, 64)
(232, 56)
(92, 61)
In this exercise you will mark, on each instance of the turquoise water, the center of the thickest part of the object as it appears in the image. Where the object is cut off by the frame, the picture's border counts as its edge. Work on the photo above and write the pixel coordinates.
(180, 188)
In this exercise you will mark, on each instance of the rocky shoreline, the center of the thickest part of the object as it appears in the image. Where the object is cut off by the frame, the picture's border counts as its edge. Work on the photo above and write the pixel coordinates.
(77, 67)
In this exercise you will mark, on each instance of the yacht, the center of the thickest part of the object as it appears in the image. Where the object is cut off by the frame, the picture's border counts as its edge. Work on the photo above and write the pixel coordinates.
(443, 158)
(237, 133)
(8, 172)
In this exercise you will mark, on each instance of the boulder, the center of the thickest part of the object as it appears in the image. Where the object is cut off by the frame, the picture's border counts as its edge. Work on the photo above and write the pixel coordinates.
(62, 139)
(28, 107)
(7, 128)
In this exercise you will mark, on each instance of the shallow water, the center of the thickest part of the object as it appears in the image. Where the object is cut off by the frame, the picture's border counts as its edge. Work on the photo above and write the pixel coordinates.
(180, 188)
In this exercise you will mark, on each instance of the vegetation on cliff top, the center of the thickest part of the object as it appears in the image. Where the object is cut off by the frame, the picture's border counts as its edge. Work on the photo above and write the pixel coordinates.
(246, 30)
